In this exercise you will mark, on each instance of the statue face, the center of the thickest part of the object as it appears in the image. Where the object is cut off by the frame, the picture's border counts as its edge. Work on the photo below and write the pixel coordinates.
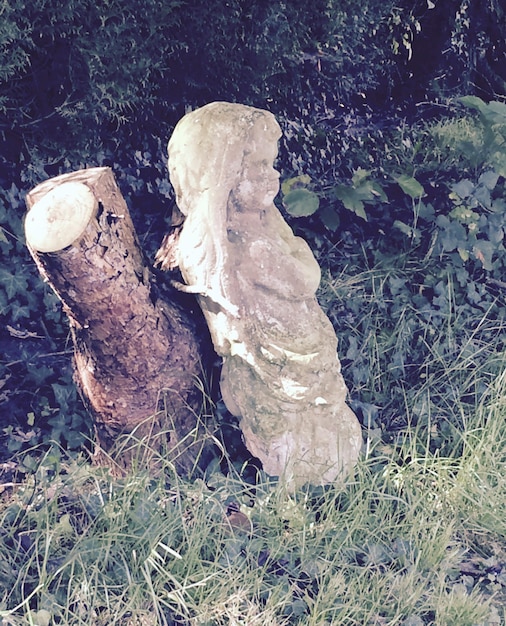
(258, 184)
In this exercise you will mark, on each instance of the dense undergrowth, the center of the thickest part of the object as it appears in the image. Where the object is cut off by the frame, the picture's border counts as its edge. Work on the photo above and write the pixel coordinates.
(396, 177)
(415, 537)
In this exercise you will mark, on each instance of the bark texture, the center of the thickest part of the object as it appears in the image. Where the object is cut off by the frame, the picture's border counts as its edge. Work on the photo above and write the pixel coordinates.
(138, 359)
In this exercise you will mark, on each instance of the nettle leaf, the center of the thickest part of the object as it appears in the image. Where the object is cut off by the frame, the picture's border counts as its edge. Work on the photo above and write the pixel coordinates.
(410, 186)
(301, 202)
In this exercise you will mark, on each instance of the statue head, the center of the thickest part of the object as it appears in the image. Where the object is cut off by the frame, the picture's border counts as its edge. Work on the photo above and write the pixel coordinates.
(221, 147)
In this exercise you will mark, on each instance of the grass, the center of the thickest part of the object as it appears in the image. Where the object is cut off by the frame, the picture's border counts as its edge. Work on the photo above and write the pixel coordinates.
(409, 540)
(416, 536)
(404, 542)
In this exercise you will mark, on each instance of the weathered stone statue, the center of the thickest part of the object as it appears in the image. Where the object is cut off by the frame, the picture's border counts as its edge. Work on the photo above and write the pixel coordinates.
(256, 284)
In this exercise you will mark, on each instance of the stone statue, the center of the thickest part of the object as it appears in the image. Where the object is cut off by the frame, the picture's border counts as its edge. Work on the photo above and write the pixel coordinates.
(256, 283)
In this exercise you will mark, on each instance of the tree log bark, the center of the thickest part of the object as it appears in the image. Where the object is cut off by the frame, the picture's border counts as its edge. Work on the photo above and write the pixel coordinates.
(138, 358)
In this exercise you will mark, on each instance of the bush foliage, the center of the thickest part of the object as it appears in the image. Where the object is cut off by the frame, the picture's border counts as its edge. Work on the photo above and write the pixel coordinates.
(80, 70)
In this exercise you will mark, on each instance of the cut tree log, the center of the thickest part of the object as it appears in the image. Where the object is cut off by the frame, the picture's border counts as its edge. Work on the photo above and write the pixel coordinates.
(138, 357)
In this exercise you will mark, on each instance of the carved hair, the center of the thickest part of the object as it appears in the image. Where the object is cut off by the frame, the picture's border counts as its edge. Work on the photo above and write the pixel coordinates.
(206, 154)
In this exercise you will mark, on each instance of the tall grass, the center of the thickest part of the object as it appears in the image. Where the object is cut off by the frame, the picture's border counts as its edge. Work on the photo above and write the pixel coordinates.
(409, 540)
(416, 536)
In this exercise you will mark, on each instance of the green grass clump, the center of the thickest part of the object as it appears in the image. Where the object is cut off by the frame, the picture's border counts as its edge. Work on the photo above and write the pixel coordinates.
(411, 539)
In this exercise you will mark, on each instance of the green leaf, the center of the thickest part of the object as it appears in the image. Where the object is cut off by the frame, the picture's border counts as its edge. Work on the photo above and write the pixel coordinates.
(410, 186)
(39, 375)
(464, 188)
(294, 183)
(473, 102)
(359, 176)
(330, 218)
(377, 191)
(301, 202)
(426, 212)
(409, 231)
(498, 107)
(351, 200)
(489, 179)
(464, 254)
(14, 284)
(452, 235)
(19, 311)
(483, 251)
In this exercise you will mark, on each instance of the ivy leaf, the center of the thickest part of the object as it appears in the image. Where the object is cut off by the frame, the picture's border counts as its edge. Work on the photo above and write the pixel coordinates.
(410, 186)
(19, 311)
(40, 374)
(14, 284)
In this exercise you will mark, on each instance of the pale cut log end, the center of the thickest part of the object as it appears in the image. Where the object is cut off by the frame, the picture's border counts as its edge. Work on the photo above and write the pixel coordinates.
(60, 217)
